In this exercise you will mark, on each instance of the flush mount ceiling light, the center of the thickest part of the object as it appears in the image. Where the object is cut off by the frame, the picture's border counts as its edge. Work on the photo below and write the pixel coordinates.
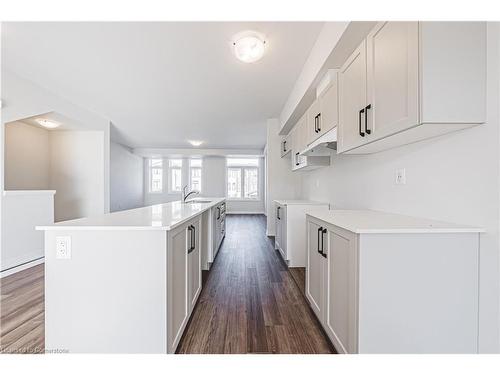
(249, 46)
(49, 124)
(196, 143)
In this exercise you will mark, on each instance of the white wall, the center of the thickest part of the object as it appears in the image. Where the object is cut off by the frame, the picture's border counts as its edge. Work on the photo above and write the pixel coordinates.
(22, 99)
(26, 157)
(282, 183)
(76, 171)
(126, 179)
(452, 178)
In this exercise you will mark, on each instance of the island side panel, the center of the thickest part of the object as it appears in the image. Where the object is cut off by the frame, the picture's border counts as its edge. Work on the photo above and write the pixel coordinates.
(110, 296)
(418, 293)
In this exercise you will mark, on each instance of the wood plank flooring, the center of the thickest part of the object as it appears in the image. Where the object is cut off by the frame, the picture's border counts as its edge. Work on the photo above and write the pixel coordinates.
(22, 312)
(250, 302)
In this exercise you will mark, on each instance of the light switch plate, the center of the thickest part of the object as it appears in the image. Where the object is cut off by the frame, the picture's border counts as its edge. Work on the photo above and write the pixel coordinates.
(401, 177)
(63, 247)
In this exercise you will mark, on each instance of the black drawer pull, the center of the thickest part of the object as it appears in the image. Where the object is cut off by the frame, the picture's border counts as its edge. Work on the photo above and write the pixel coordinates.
(361, 133)
(367, 131)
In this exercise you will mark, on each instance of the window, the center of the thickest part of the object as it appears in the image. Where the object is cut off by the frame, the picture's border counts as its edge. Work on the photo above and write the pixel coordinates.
(243, 178)
(195, 166)
(175, 173)
(155, 175)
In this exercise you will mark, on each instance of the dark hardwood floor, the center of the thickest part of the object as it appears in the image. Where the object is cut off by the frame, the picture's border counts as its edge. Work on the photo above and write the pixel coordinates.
(250, 302)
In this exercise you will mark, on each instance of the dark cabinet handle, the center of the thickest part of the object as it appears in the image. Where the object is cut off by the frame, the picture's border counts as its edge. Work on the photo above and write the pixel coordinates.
(322, 243)
(278, 213)
(316, 124)
(297, 159)
(360, 130)
(320, 231)
(367, 131)
(319, 122)
(192, 238)
(284, 146)
(218, 213)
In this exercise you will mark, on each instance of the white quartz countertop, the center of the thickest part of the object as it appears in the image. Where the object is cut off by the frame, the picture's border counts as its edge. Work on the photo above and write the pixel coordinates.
(287, 202)
(366, 221)
(164, 216)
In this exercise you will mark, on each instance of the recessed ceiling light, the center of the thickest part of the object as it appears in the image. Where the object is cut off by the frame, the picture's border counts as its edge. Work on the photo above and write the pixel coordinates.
(249, 46)
(46, 123)
(196, 143)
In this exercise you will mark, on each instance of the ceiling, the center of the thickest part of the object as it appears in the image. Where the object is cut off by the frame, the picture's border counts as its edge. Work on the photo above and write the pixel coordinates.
(162, 84)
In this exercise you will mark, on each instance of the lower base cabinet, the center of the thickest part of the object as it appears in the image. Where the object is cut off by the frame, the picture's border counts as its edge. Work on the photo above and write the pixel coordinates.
(184, 278)
(394, 292)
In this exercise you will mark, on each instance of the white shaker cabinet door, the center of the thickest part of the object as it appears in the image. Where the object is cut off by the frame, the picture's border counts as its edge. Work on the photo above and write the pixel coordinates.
(314, 270)
(177, 310)
(194, 263)
(340, 323)
(392, 79)
(352, 100)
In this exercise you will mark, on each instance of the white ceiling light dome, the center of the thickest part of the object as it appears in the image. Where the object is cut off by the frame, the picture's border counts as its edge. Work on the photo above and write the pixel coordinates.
(47, 123)
(249, 46)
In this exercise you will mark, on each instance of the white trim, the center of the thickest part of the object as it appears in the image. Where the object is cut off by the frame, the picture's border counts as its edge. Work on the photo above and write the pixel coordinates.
(244, 212)
(28, 192)
(22, 267)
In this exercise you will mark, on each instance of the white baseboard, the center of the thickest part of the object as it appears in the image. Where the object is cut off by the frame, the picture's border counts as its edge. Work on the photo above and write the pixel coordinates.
(244, 213)
(22, 267)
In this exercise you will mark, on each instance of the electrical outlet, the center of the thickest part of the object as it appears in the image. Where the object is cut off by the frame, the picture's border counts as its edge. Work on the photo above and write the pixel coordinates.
(63, 247)
(401, 176)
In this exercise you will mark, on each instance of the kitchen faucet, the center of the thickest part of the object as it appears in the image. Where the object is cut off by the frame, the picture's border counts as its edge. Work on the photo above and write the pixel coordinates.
(185, 196)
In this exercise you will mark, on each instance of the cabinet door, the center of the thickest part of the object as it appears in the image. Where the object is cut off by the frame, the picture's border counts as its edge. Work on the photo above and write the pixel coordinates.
(314, 270)
(352, 100)
(392, 79)
(329, 115)
(194, 263)
(277, 238)
(313, 118)
(177, 310)
(340, 322)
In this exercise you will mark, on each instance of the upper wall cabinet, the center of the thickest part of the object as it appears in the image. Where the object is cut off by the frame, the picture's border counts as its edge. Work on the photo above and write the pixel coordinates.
(323, 113)
(409, 81)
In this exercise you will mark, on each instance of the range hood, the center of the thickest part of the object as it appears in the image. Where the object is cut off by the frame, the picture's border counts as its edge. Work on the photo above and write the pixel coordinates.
(322, 146)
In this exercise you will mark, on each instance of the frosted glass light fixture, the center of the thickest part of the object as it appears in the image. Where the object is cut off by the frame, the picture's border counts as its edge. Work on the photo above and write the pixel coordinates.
(249, 46)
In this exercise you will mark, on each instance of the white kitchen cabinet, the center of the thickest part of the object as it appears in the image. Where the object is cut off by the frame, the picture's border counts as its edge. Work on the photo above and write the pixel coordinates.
(194, 263)
(300, 134)
(291, 235)
(384, 283)
(409, 81)
(322, 115)
(184, 278)
(219, 227)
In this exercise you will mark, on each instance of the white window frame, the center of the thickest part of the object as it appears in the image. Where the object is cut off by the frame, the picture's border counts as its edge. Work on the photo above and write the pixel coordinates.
(190, 169)
(150, 175)
(170, 179)
(242, 173)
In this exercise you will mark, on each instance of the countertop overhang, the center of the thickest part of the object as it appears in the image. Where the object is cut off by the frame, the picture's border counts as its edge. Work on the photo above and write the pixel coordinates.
(165, 216)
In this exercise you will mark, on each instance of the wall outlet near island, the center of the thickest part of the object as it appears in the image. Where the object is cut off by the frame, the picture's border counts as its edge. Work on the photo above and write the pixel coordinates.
(401, 176)
(63, 247)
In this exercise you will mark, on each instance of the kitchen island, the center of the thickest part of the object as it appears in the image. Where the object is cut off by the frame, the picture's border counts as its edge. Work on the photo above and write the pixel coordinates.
(124, 282)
